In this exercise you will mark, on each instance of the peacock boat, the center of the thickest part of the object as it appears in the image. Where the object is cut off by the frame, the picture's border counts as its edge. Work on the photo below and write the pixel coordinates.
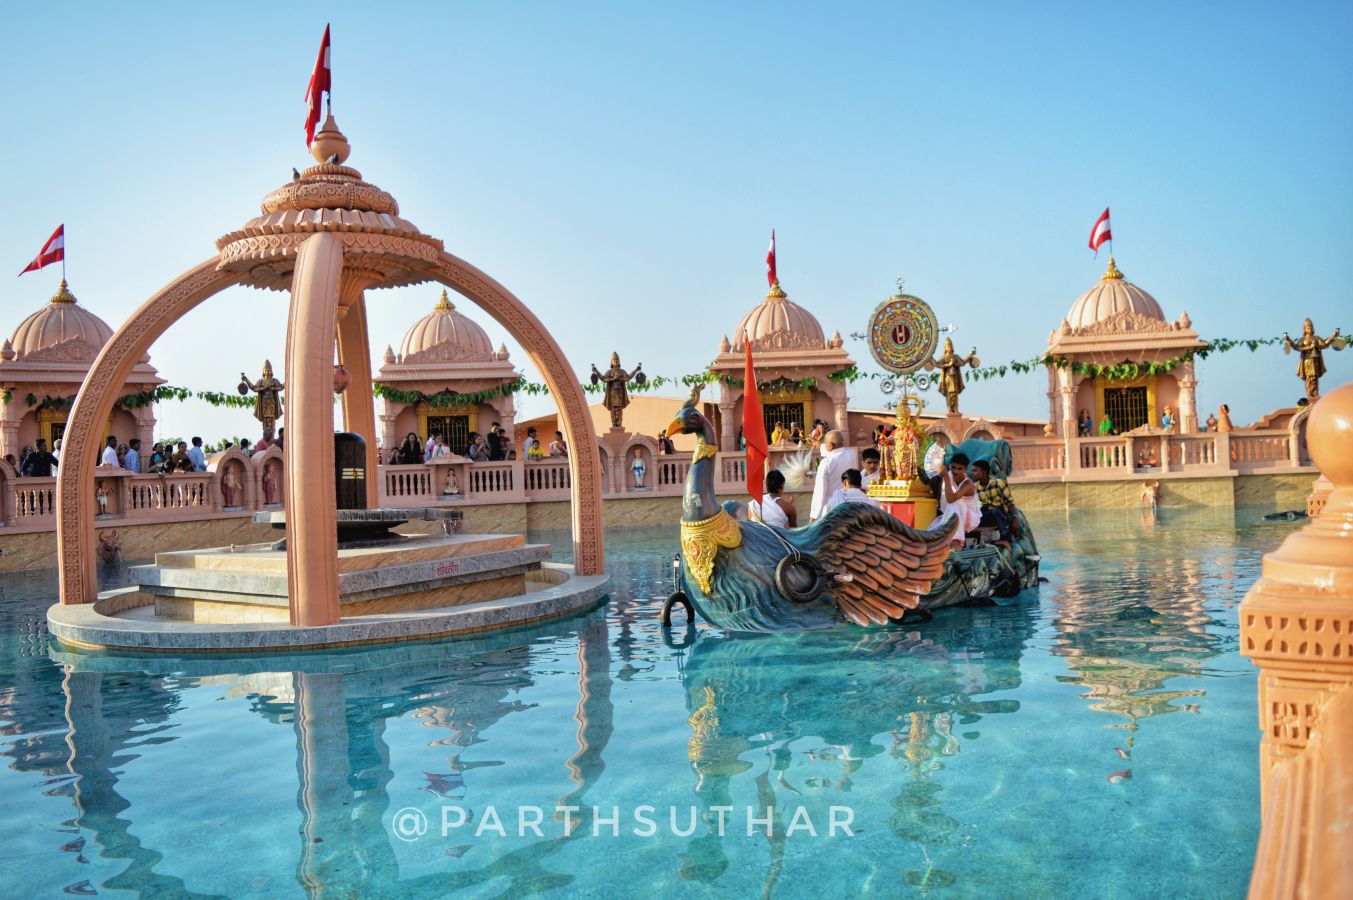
(857, 564)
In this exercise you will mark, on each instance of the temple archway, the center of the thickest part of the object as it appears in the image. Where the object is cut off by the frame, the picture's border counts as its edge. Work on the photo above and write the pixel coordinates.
(328, 237)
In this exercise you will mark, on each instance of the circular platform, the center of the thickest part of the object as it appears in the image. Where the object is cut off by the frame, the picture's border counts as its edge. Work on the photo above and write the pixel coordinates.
(125, 620)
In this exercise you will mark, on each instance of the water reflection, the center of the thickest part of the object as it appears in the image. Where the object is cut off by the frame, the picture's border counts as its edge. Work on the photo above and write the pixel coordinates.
(751, 699)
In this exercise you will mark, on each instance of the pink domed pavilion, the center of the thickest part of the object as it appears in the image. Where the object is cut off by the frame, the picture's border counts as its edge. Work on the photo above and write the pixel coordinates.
(42, 366)
(1112, 323)
(445, 352)
(794, 360)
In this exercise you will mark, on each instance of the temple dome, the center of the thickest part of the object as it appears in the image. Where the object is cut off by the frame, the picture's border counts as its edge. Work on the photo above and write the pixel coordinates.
(777, 318)
(61, 321)
(1113, 295)
(453, 336)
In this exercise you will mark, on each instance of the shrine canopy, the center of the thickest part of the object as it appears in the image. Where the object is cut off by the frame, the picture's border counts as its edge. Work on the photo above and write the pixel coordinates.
(446, 379)
(42, 365)
(794, 363)
(1115, 323)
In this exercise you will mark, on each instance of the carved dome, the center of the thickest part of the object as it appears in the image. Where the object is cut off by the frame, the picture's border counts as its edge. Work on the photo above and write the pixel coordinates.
(1112, 296)
(448, 336)
(61, 322)
(778, 322)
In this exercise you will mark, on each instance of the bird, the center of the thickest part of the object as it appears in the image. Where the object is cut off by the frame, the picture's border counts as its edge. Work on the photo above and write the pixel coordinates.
(295, 174)
(332, 160)
(855, 564)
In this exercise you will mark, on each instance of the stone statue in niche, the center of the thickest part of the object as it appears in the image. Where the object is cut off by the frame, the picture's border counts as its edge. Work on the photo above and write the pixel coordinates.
(450, 484)
(230, 487)
(268, 403)
(638, 468)
(616, 379)
(101, 498)
(270, 485)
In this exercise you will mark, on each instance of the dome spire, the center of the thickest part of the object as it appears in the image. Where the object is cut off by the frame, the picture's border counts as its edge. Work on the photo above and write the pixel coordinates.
(445, 302)
(776, 292)
(63, 294)
(1111, 273)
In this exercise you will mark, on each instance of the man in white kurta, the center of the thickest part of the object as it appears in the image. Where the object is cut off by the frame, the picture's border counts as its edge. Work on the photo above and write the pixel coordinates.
(836, 458)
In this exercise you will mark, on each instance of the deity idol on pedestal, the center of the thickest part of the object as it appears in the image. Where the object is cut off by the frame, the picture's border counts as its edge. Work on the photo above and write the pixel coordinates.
(951, 366)
(268, 403)
(616, 379)
(1311, 366)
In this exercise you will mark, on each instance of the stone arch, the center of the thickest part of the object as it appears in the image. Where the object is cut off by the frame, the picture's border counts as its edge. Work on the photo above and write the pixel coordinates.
(1296, 430)
(940, 433)
(75, 503)
(574, 417)
(7, 471)
(983, 429)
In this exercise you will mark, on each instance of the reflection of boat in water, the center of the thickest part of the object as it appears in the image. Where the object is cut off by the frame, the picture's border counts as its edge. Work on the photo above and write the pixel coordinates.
(895, 699)
(856, 563)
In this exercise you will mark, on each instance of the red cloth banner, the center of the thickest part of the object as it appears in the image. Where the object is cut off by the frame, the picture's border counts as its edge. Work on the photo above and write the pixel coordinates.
(53, 251)
(771, 277)
(320, 83)
(753, 424)
(1100, 233)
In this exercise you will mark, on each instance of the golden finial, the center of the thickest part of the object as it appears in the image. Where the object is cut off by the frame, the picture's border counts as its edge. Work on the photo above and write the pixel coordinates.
(775, 292)
(444, 302)
(1111, 273)
(63, 294)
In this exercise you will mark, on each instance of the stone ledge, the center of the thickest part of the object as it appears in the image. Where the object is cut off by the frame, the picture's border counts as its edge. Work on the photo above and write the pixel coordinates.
(90, 625)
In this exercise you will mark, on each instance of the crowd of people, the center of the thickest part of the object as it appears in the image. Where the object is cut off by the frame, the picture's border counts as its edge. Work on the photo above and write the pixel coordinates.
(164, 458)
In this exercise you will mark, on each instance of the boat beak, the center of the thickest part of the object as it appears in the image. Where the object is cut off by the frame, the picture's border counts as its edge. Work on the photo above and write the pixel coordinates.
(674, 427)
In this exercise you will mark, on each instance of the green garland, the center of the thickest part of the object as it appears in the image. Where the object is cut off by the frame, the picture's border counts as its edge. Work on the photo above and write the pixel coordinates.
(1126, 370)
(444, 399)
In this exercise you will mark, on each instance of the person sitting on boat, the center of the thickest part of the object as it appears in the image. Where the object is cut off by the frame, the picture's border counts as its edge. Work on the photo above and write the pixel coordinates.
(869, 466)
(958, 499)
(850, 491)
(998, 507)
(775, 508)
(836, 459)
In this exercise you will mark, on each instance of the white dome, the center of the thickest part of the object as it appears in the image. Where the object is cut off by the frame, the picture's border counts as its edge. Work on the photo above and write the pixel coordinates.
(1113, 295)
(446, 328)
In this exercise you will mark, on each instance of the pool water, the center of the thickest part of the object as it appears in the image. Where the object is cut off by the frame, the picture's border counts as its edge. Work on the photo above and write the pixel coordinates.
(1096, 738)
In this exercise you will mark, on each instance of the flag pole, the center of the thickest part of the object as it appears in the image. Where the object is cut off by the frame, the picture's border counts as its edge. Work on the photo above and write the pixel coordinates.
(63, 252)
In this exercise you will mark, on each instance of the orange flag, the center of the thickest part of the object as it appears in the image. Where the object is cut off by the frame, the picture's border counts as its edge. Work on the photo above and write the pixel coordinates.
(753, 427)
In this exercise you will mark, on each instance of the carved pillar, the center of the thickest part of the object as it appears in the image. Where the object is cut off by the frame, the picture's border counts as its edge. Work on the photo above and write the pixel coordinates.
(728, 428)
(311, 496)
(1054, 414)
(1188, 401)
(145, 430)
(1296, 624)
(354, 353)
(10, 414)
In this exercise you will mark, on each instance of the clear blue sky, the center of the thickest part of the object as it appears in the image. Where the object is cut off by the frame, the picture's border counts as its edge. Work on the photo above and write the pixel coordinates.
(619, 166)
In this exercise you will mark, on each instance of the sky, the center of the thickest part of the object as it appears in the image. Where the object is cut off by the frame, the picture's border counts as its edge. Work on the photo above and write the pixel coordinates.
(619, 167)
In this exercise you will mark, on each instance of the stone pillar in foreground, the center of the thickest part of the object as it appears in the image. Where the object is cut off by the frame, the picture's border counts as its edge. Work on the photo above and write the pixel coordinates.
(1297, 625)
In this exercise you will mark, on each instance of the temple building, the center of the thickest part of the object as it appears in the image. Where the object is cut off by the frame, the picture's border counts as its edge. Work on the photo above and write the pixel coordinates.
(1116, 322)
(794, 364)
(443, 355)
(43, 364)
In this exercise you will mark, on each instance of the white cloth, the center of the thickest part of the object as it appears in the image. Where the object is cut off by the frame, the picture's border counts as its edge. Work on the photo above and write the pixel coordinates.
(868, 478)
(828, 478)
(770, 513)
(109, 458)
(968, 510)
(437, 451)
(198, 457)
(848, 495)
(133, 460)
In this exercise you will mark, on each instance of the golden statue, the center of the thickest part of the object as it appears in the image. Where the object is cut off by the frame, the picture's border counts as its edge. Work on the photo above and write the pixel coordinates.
(951, 372)
(1312, 364)
(617, 395)
(268, 403)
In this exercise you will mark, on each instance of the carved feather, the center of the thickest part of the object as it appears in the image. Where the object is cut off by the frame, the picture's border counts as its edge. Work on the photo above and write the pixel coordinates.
(890, 565)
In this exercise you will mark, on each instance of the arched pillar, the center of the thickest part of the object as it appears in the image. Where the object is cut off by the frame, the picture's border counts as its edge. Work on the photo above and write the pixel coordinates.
(312, 538)
(76, 560)
(575, 419)
(354, 353)
(728, 426)
(1188, 399)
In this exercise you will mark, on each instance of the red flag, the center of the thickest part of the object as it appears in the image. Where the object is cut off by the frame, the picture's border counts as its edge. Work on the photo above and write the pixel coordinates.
(770, 262)
(53, 251)
(753, 423)
(1100, 233)
(319, 86)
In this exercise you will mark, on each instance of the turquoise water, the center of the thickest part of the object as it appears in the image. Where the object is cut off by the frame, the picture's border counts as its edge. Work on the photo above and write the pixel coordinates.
(971, 756)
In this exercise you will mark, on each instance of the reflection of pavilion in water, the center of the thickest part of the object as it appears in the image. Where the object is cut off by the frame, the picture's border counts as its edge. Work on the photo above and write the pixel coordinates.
(762, 693)
(343, 762)
(1123, 650)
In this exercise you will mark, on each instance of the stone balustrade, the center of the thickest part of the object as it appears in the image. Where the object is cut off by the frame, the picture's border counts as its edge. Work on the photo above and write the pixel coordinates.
(29, 503)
